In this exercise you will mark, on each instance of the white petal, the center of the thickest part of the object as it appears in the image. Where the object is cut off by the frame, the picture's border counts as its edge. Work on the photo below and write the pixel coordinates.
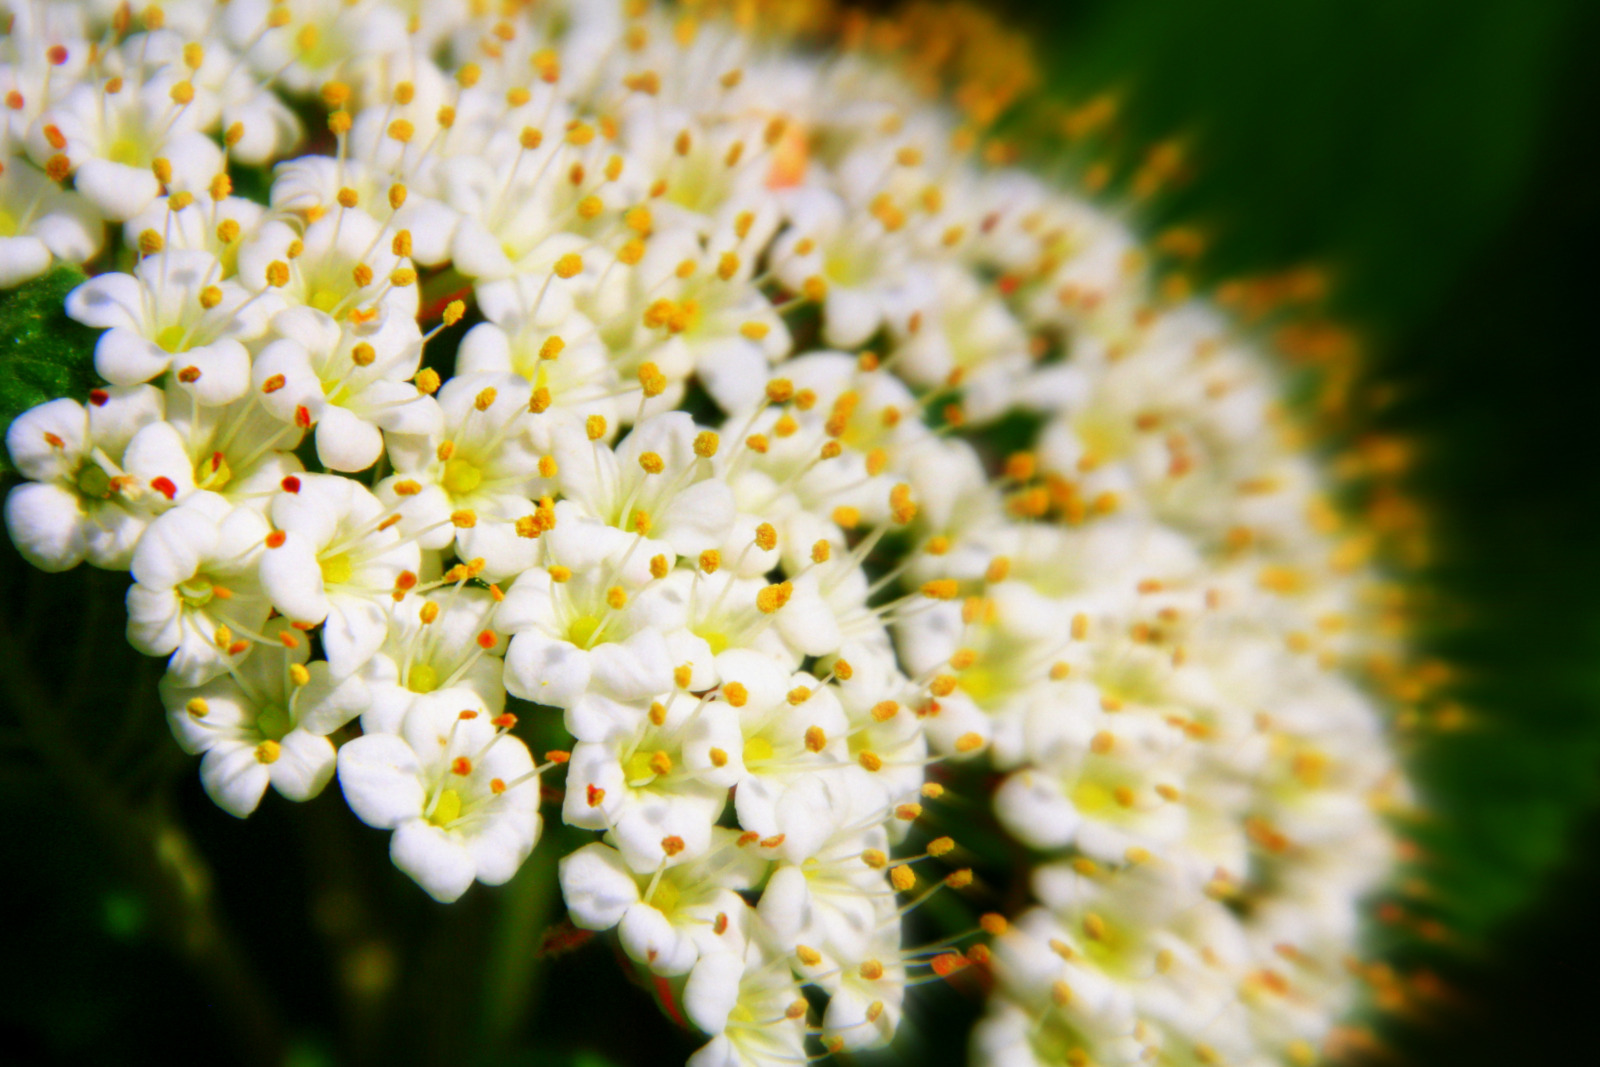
(353, 633)
(597, 886)
(713, 990)
(292, 579)
(304, 765)
(433, 858)
(45, 522)
(346, 442)
(555, 673)
(381, 780)
(233, 777)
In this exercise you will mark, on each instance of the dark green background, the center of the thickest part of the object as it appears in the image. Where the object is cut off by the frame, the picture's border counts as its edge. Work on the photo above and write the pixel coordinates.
(1438, 157)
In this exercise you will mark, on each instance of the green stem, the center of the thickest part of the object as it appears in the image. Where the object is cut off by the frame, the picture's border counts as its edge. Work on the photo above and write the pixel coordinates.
(514, 974)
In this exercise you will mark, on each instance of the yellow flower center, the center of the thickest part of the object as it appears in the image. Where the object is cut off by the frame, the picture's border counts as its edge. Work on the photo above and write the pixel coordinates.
(447, 810)
(422, 678)
(582, 630)
(336, 570)
(171, 339)
(461, 477)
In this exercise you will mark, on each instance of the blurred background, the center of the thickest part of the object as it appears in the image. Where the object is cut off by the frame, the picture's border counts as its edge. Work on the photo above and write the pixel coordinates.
(1434, 160)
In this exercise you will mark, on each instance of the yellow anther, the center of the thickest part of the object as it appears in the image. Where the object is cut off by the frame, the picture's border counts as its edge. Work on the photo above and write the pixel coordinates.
(807, 955)
(401, 277)
(884, 710)
(735, 694)
(277, 274)
(197, 707)
(617, 597)
(540, 401)
(871, 970)
(210, 297)
(464, 519)
(969, 742)
(773, 597)
(652, 463)
(427, 381)
(705, 444)
(595, 427)
(870, 761)
(659, 567)
(816, 737)
(718, 757)
(908, 812)
(814, 289)
(661, 763)
(959, 879)
(559, 574)
(569, 265)
(903, 877)
(941, 589)
(363, 355)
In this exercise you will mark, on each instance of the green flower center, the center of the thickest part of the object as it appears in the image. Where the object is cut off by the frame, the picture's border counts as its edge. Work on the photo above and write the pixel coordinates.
(274, 722)
(197, 591)
(93, 481)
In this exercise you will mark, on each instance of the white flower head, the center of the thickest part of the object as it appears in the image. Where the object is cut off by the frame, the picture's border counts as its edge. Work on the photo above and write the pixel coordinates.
(41, 223)
(177, 311)
(460, 793)
(195, 594)
(334, 558)
(265, 722)
(81, 501)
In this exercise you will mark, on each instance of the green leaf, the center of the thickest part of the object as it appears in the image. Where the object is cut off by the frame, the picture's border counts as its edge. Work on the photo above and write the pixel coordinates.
(43, 354)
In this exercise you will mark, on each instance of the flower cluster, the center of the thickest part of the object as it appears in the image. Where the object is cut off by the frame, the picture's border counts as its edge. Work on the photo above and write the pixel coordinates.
(696, 457)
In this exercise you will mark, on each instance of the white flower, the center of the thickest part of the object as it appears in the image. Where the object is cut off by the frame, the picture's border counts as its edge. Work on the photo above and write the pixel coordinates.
(195, 588)
(533, 331)
(125, 146)
(238, 451)
(351, 383)
(265, 722)
(656, 776)
(667, 918)
(199, 223)
(601, 627)
(81, 503)
(41, 223)
(175, 310)
(440, 644)
(460, 794)
(751, 1005)
(480, 458)
(332, 559)
(344, 265)
(659, 482)
(857, 260)
(310, 186)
